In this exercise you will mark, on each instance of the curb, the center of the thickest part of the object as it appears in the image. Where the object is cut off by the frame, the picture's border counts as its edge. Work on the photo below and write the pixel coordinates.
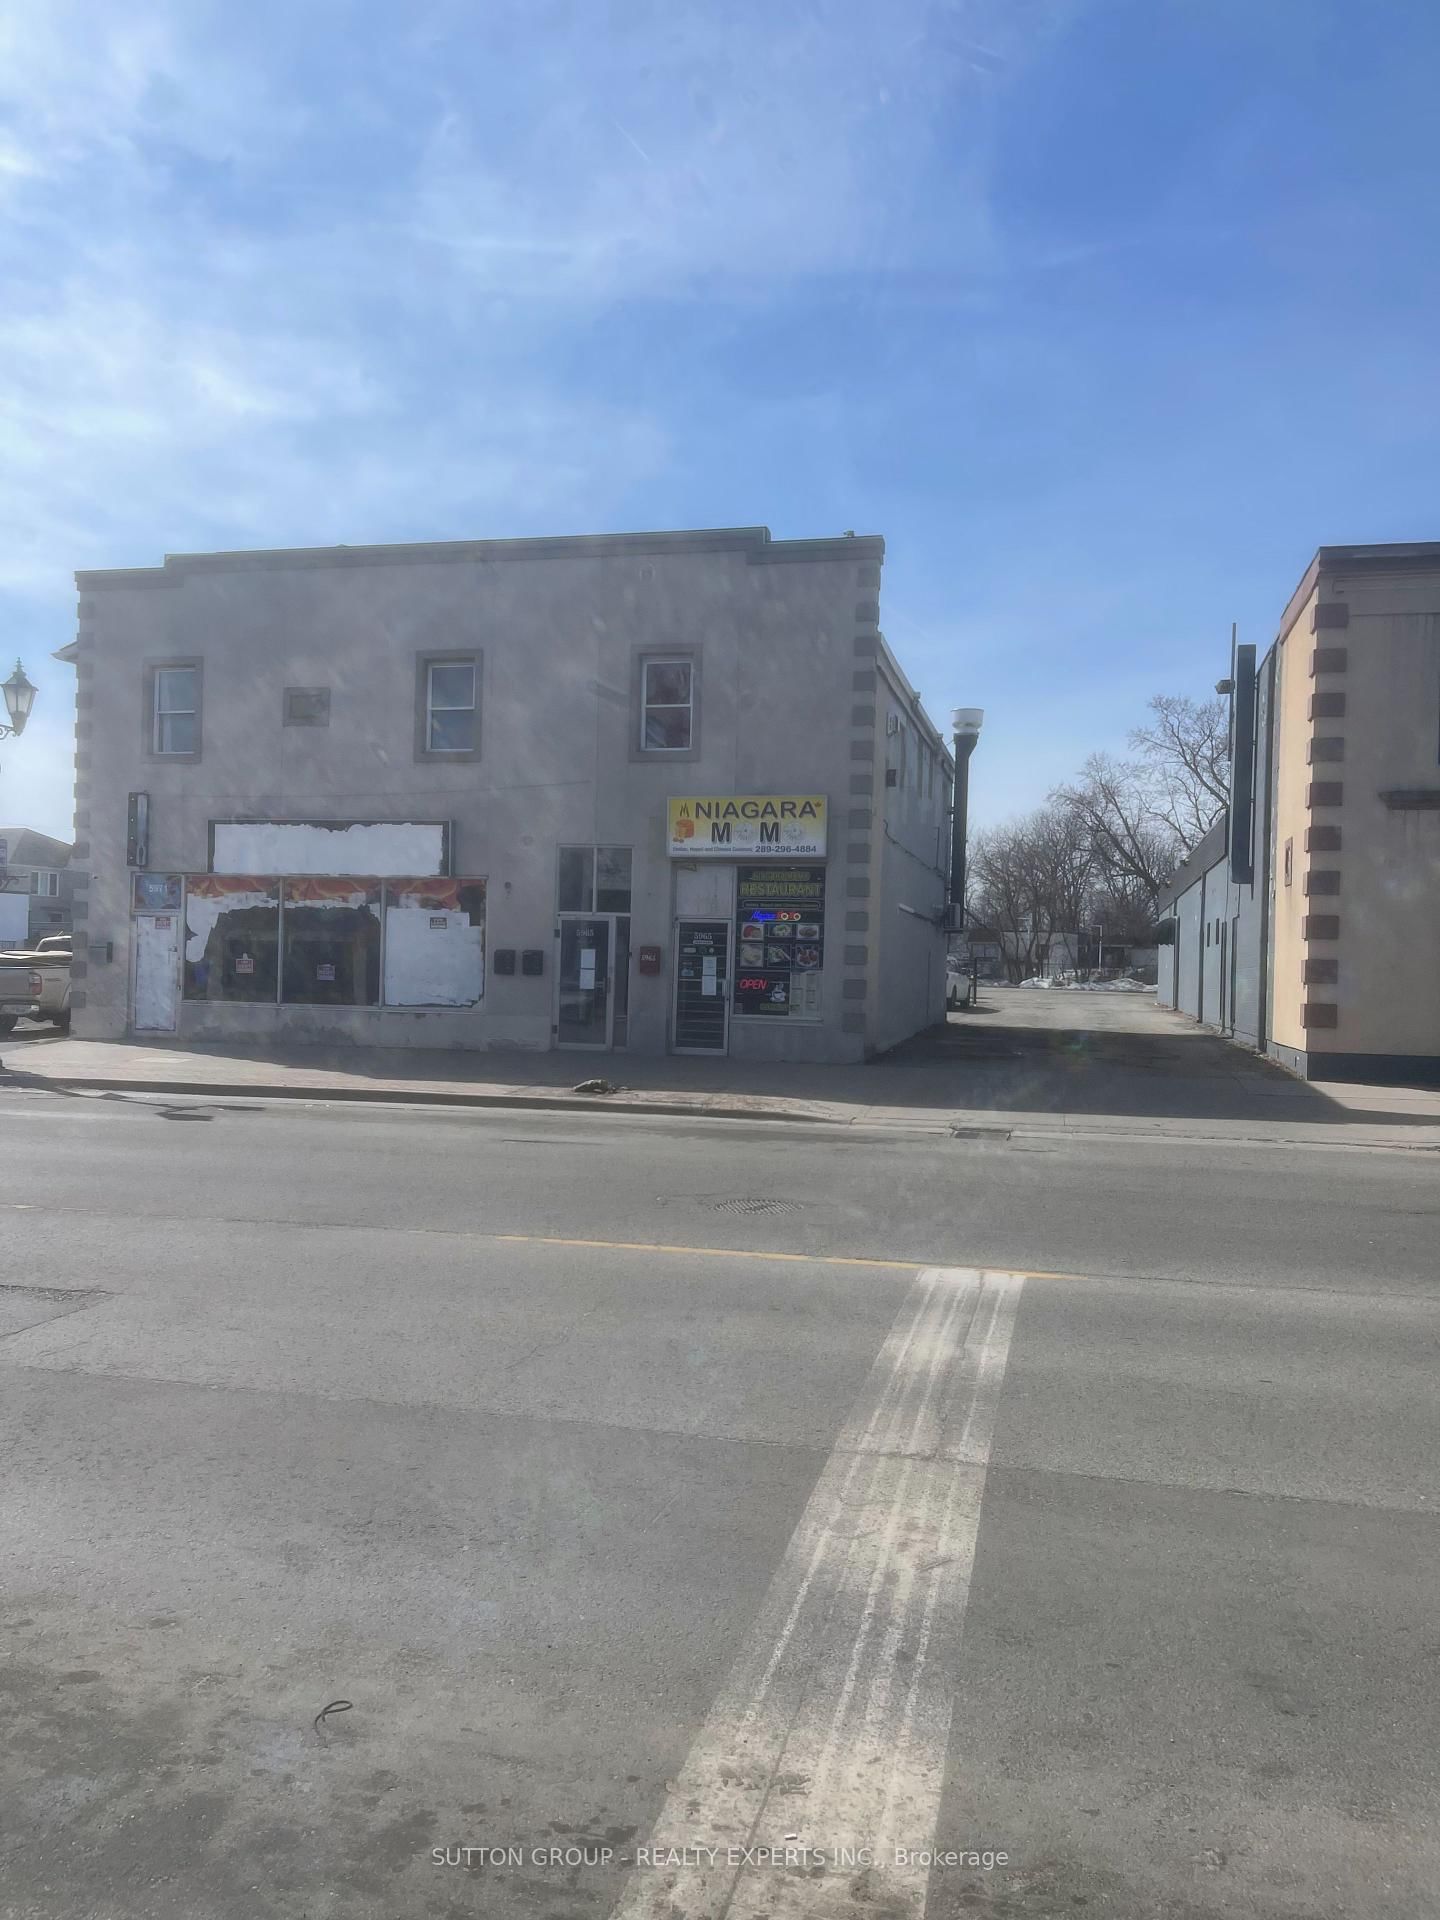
(939, 1123)
(384, 1096)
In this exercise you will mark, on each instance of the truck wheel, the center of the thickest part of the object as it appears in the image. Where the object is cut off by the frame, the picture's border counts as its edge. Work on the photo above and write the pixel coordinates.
(62, 1021)
(7, 1022)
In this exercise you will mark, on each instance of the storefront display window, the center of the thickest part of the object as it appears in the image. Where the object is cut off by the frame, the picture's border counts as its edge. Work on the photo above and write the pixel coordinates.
(779, 941)
(434, 942)
(232, 936)
(316, 941)
(331, 942)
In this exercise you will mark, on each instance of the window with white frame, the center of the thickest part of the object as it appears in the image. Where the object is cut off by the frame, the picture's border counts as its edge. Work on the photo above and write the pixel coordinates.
(667, 705)
(46, 882)
(450, 706)
(176, 718)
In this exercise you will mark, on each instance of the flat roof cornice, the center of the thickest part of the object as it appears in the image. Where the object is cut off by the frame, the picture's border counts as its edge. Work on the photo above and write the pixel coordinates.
(755, 543)
(1401, 556)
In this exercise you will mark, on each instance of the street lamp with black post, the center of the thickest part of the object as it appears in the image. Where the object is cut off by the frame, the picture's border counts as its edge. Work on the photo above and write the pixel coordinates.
(966, 723)
(19, 698)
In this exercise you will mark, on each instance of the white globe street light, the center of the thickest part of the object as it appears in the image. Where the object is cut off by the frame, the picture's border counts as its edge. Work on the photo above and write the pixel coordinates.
(965, 723)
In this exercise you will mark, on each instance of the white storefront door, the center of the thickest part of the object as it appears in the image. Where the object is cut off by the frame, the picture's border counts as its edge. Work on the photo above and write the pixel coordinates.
(157, 972)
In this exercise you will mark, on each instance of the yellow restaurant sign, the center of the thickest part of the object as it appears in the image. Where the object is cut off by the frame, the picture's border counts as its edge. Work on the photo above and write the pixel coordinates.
(749, 826)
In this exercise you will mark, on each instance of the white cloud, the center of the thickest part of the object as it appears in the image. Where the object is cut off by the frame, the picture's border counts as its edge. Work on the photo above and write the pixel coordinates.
(274, 275)
(695, 142)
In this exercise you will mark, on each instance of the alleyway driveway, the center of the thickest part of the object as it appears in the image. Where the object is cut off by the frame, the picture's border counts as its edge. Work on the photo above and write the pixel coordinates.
(1085, 1052)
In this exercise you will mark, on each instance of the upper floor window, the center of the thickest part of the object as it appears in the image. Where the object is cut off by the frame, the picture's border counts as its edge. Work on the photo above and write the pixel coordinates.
(451, 706)
(175, 712)
(667, 705)
(45, 882)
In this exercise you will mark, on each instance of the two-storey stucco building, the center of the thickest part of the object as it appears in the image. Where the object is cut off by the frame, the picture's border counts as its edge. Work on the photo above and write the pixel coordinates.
(1307, 922)
(650, 791)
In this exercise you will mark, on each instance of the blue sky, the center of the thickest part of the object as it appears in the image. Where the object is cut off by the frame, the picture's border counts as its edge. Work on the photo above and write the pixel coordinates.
(1105, 313)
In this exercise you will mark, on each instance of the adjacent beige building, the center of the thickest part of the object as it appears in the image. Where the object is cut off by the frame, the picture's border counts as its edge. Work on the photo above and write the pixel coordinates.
(1328, 955)
(1357, 815)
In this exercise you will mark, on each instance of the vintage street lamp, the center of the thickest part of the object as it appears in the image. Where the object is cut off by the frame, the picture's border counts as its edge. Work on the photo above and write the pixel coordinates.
(19, 698)
(966, 723)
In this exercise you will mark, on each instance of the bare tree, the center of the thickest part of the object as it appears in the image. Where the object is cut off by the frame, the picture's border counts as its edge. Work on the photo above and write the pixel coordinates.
(1132, 847)
(1125, 910)
(1185, 762)
(1065, 868)
(1000, 893)
(1030, 880)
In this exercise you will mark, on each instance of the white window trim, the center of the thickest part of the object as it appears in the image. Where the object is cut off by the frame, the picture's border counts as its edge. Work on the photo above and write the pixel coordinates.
(666, 706)
(472, 708)
(159, 713)
(45, 883)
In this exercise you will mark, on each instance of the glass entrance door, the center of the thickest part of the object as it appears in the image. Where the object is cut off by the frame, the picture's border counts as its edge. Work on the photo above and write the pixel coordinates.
(702, 986)
(583, 987)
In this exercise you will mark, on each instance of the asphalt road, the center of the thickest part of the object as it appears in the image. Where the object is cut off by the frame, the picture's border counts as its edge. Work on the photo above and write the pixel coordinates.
(648, 1483)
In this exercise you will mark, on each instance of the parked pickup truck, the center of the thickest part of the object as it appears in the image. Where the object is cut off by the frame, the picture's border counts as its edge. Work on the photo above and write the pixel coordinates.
(36, 985)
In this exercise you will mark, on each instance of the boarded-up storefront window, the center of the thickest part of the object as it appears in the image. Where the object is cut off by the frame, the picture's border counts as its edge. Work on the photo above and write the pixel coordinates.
(434, 942)
(232, 937)
(331, 942)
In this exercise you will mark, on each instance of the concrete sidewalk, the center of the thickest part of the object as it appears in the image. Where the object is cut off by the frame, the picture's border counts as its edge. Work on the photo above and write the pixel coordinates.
(402, 1076)
(1022, 1063)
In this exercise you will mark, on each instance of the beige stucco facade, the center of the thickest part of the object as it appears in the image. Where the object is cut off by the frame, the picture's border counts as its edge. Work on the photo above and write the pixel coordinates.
(1291, 816)
(1387, 986)
(1345, 831)
(1356, 879)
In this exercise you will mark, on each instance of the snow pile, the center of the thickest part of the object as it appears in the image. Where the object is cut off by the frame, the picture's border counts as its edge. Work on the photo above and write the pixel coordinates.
(1067, 983)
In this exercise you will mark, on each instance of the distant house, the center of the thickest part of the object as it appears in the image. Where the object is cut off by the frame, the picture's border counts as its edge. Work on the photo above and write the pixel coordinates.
(35, 869)
(982, 948)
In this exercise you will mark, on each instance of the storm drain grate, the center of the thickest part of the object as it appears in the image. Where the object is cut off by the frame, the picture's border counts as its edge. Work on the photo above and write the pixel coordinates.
(743, 1205)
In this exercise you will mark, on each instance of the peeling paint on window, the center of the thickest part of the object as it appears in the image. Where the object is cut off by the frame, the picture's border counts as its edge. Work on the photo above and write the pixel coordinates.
(434, 943)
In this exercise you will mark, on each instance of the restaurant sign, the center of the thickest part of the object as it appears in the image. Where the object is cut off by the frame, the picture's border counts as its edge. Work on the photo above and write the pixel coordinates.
(756, 826)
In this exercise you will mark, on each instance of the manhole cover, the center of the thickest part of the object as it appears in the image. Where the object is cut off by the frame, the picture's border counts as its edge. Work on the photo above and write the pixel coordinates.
(743, 1205)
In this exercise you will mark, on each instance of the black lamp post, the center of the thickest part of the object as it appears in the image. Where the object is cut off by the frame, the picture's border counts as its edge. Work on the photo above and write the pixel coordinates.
(19, 698)
(966, 723)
